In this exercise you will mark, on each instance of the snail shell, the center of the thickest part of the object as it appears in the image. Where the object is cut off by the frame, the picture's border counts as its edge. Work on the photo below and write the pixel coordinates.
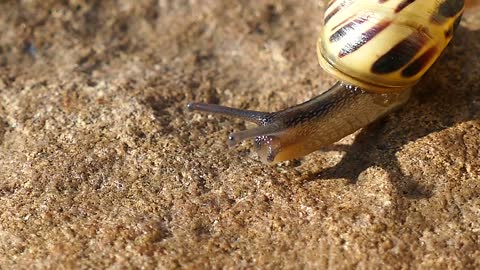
(385, 45)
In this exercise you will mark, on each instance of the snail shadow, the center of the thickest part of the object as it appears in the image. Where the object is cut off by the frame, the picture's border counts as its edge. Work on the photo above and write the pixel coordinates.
(445, 97)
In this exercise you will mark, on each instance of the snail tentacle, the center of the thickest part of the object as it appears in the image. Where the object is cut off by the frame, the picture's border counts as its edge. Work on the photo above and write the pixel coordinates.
(247, 115)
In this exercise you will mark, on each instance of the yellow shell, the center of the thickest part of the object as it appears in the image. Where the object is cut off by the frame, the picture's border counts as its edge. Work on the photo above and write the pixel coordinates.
(385, 45)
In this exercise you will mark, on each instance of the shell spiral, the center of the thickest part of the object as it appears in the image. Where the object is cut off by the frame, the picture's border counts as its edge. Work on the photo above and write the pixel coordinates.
(385, 45)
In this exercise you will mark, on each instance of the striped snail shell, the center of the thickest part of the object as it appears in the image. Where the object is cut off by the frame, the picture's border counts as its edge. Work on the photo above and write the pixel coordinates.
(385, 45)
(377, 49)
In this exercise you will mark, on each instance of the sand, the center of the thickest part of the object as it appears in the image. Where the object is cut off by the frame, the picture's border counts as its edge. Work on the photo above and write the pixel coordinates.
(101, 165)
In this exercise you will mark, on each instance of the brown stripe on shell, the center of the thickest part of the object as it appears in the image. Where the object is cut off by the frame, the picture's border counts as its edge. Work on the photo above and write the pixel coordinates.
(450, 8)
(449, 32)
(402, 53)
(343, 4)
(330, 3)
(330, 15)
(446, 9)
(363, 38)
(453, 27)
(403, 5)
(456, 23)
(437, 19)
(343, 22)
(349, 27)
(382, 1)
(419, 64)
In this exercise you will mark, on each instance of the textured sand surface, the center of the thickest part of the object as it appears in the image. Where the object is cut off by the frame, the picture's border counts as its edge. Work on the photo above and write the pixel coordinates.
(101, 166)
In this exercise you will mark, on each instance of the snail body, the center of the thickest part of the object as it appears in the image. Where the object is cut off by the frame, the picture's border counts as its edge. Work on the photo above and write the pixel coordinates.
(378, 50)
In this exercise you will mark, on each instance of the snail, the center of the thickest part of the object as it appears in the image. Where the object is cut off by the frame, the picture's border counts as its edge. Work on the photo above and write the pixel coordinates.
(378, 50)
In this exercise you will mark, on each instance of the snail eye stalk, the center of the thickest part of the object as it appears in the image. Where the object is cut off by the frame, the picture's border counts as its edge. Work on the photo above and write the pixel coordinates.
(262, 119)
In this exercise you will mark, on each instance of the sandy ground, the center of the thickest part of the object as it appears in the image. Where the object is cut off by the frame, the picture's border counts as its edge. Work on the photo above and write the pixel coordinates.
(101, 166)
